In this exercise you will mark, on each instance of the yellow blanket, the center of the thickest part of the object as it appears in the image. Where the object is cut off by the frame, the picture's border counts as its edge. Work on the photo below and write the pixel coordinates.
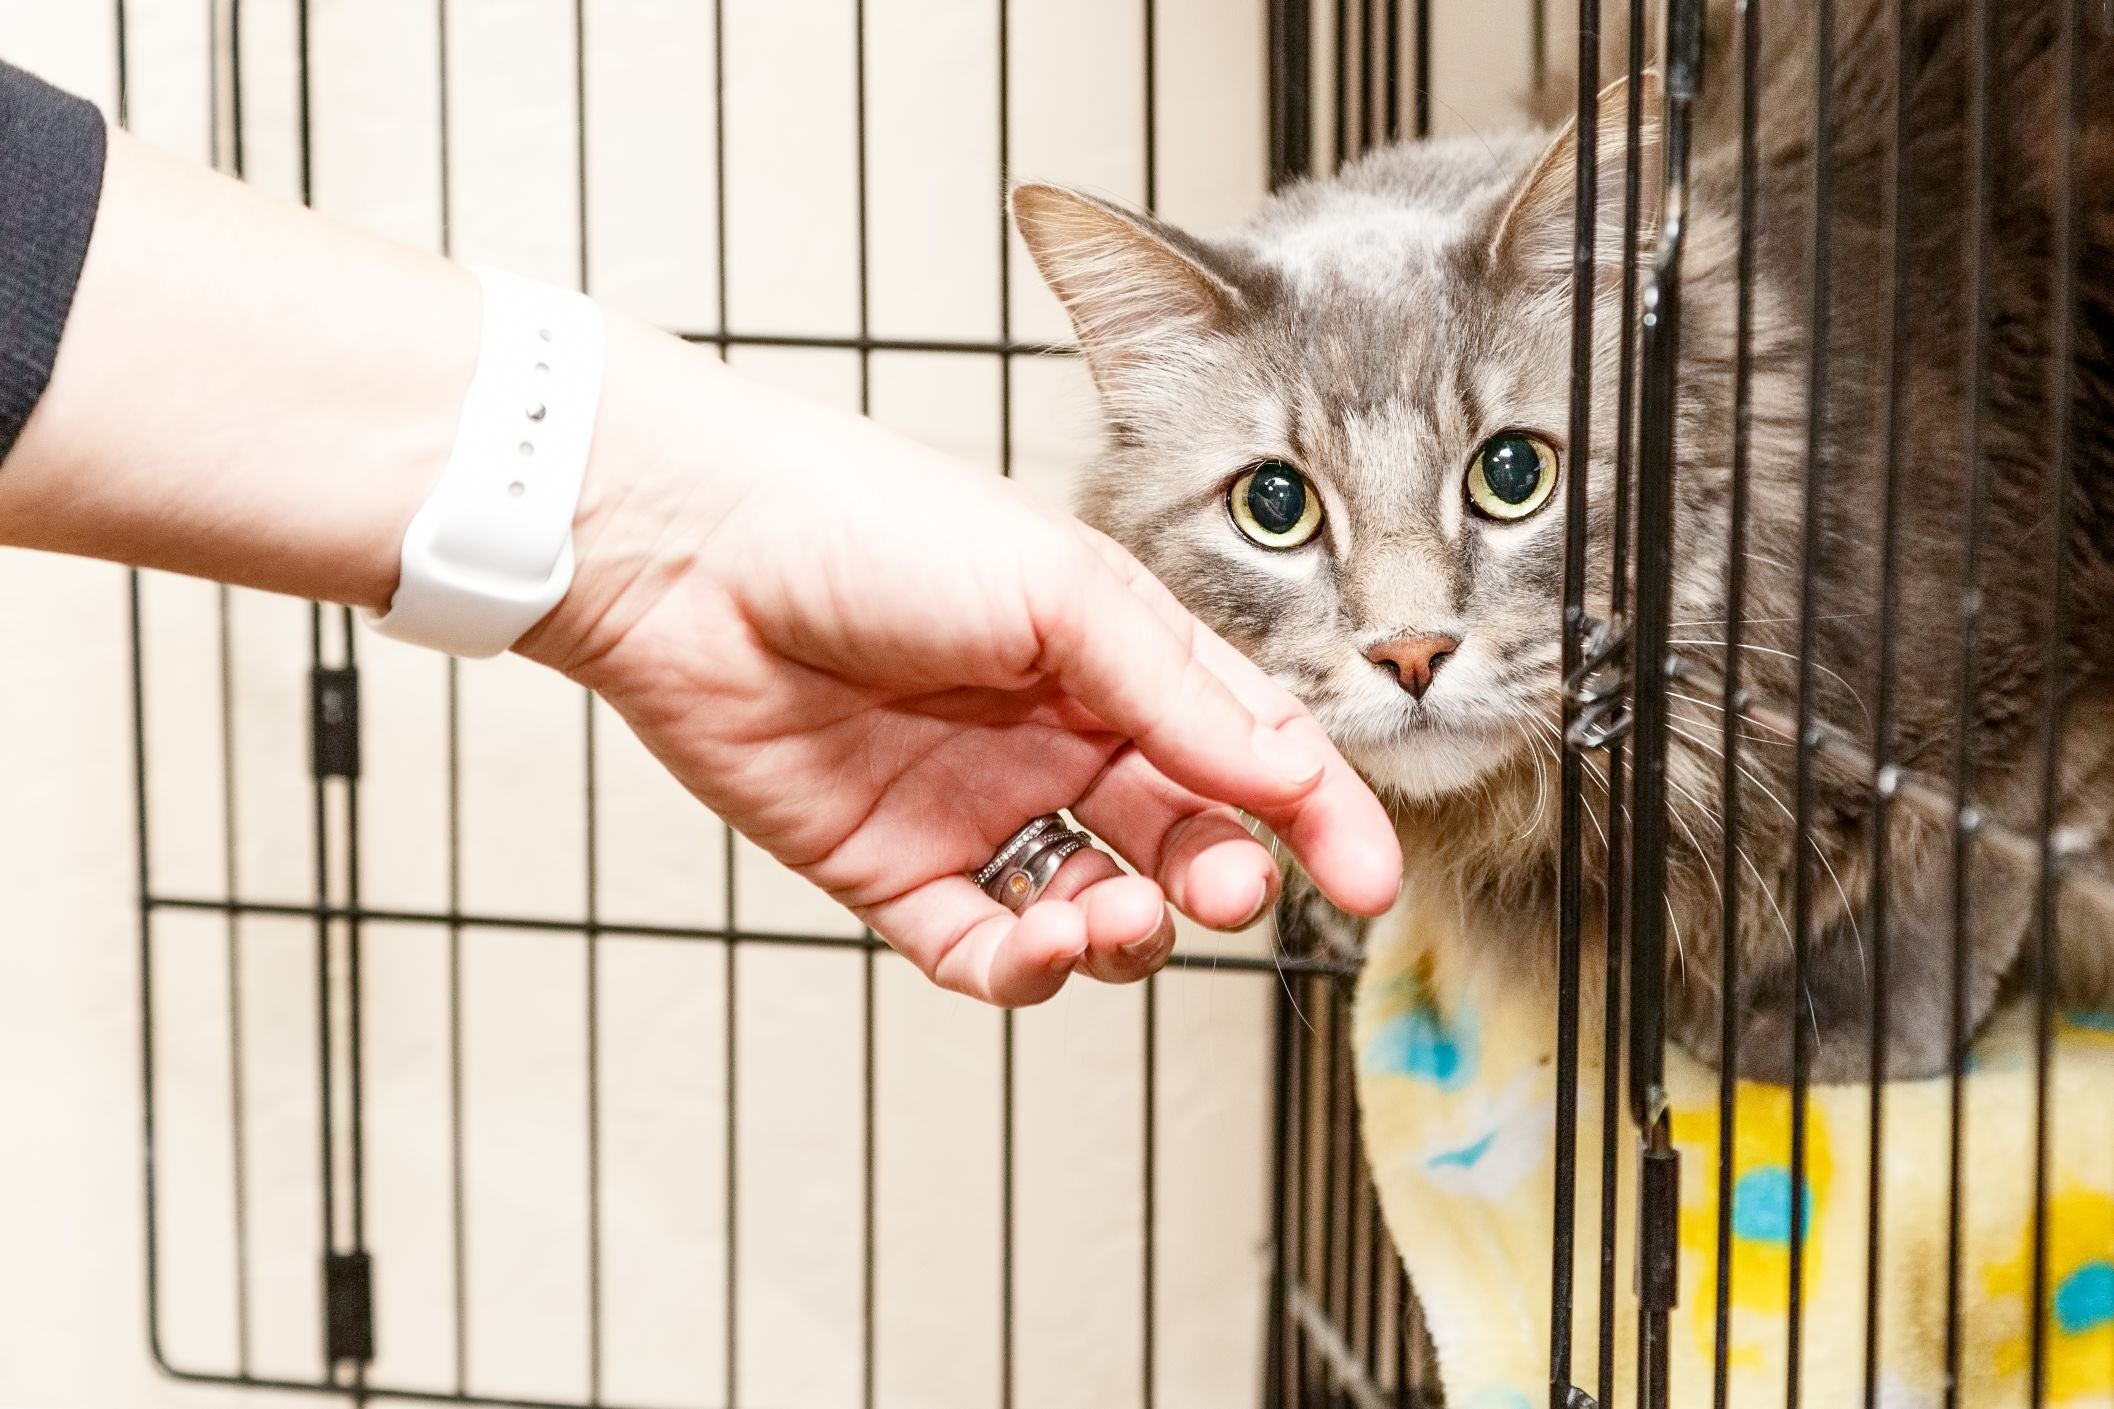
(1457, 1086)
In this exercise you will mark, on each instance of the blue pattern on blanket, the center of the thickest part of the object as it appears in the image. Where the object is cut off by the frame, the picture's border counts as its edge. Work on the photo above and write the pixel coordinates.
(1420, 1042)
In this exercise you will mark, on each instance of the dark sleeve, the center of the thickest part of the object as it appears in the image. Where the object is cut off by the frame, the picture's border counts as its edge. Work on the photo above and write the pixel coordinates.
(51, 177)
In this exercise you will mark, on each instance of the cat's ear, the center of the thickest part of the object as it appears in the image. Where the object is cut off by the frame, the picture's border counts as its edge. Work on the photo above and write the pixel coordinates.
(1130, 283)
(1536, 233)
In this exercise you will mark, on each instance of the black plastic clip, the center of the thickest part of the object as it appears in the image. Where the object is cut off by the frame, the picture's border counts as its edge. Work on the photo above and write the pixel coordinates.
(1659, 1228)
(334, 721)
(348, 1306)
(1563, 1396)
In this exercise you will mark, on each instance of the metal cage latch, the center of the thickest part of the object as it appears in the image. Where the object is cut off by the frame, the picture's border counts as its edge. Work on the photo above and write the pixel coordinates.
(1599, 688)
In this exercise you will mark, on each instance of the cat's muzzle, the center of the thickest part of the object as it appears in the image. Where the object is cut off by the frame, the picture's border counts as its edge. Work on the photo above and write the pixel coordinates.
(1021, 870)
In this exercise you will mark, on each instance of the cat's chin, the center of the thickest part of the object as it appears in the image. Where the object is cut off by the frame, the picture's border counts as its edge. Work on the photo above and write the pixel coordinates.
(1427, 766)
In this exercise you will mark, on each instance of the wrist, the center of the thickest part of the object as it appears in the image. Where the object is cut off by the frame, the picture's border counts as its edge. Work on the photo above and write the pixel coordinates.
(653, 493)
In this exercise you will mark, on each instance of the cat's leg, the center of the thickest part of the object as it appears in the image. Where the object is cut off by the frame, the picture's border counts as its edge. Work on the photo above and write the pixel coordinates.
(1837, 1005)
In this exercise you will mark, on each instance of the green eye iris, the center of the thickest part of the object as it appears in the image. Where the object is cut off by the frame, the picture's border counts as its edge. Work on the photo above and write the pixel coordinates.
(1275, 506)
(1511, 476)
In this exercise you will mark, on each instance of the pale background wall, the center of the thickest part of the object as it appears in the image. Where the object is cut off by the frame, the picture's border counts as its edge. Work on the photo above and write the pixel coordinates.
(72, 1274)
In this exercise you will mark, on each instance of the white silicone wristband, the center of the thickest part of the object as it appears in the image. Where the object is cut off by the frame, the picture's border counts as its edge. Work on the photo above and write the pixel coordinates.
(490, 552)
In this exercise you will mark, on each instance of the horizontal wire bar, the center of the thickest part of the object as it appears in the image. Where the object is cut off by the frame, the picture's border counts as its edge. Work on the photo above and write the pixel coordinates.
(1232, 963)
(373, 1391)
(1004, 348)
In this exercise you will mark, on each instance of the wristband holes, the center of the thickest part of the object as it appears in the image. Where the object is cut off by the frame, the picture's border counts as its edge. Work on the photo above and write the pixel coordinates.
(536, 410)
(528, 450)
(516, 489)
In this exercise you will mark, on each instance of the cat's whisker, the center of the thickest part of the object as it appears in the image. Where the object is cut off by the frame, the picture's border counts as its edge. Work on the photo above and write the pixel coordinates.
(1714, 726)
(1848, 688)
(1849, 912)
(1680, 949)
(1769, 620)
(1718, 705)
(1541, 783)
(1701, 854)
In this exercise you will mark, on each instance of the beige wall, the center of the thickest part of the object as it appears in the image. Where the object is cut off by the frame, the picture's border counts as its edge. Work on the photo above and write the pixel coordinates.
(71, 1248)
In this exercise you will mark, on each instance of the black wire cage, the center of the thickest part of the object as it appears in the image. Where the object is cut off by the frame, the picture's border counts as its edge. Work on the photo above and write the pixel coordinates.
(1339, 1323)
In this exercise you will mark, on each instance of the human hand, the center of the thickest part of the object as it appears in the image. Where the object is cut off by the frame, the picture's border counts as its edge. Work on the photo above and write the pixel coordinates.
(878, 664)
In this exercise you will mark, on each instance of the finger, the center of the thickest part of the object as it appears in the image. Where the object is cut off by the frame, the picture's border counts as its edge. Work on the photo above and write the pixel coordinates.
(1334, 825)
(1143, 677)
(1201, 852)
(1343, 838)
(964, 940)
(1130, 931)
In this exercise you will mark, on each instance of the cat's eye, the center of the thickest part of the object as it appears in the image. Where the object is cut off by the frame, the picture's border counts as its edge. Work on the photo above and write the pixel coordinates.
(1274, 505)
(1511, 476)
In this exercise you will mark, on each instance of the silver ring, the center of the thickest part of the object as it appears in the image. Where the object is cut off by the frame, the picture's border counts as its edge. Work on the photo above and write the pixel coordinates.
(1022, 869)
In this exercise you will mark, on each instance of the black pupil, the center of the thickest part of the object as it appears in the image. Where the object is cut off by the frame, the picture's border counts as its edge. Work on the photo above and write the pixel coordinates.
(1512, 468)
(1277, 497)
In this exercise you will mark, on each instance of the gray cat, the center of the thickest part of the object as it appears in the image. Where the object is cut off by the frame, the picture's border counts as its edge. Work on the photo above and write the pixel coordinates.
(1338, 434)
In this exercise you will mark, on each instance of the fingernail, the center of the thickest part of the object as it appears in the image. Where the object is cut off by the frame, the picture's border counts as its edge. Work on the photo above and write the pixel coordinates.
(1292, 754)
(1262, 904)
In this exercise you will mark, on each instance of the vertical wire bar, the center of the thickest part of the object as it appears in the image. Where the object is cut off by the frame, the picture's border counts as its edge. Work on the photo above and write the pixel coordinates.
(1538, 42)
(143, 876)
(152, 1249)
(1660, 361)
(1409, 1334)
(1421, 89)
(1618, 812)
(237, 1101)
(868, 1203)
(1391, 74)
(326, 1104)
(1570, 865)
(355, 1017)
(2063, 395)
(1343, 82)
(1336, 1160)
(458, 1202)
(1291, 115)
(1298, 1351)
(1148, 1210)
(591, 935)
(1967, 817)
(730, 851)
(1885, 777)
(1006, 1033)
(1284, 1209)
(458, 1251)
(124, 62)
(1369, 57)
(321, 821)
(1374, 1252)
(1802, 844)
(237, 1096)
(1352, 1262)
(1731, 856)
(1313, 1175)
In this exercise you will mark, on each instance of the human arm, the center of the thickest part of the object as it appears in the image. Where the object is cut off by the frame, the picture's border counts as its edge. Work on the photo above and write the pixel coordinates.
(875, 662)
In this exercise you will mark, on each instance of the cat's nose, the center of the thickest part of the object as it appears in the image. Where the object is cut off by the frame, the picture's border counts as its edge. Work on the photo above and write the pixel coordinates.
(1415, 659)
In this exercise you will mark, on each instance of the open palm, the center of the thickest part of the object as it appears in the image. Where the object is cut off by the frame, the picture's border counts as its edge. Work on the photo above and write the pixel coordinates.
(878, 664)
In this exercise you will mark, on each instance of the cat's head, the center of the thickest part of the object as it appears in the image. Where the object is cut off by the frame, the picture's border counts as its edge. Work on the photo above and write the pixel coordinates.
(1338, 434)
